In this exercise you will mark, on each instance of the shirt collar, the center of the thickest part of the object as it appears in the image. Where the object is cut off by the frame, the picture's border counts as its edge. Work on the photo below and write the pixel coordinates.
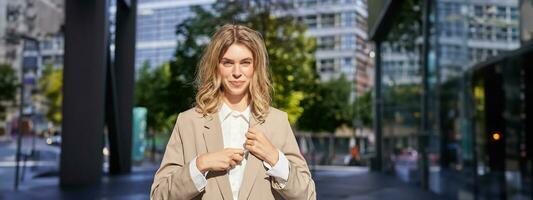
(225, 111)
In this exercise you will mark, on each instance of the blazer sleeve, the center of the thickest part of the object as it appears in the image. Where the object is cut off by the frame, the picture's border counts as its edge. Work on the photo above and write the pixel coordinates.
(300, 184)
(173, 180)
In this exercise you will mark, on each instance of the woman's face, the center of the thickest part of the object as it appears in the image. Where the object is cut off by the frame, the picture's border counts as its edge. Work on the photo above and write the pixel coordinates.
(236, 69)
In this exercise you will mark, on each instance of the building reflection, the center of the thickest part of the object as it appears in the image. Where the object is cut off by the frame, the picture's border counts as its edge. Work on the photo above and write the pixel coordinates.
(453, 110)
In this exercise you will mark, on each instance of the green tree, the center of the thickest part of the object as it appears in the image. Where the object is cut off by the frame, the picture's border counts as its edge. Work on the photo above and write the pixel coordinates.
(291, 56)
(290, 52)
(152, 91)
(363, 109)
(328, 108)
(51, 84)
(8, 87)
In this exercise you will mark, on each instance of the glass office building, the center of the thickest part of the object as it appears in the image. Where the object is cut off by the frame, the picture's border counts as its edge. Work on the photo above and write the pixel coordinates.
(453, 93)
(469, 31)
(156, 28)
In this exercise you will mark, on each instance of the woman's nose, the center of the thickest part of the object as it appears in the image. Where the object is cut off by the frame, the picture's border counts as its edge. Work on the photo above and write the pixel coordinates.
(236, 76)
(236, 72)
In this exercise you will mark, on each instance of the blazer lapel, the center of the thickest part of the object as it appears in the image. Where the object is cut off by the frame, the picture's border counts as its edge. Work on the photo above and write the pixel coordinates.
(214, 142)
(253, 165)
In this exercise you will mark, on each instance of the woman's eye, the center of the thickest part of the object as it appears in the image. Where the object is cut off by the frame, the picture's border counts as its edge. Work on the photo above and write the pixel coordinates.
(246, 63)
(227, 64)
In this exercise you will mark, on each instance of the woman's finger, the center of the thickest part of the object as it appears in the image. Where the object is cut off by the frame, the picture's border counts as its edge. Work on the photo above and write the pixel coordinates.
(239, 152)
(253, 130)
(251, 136)
(250, 148)
(236, 157)
(250, 142)
(235, 150)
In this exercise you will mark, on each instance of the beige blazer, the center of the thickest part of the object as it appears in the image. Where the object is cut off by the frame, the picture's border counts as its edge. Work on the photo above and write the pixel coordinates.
(194, 135)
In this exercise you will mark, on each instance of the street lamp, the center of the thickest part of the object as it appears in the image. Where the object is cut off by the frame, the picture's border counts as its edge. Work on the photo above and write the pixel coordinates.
(24, 39)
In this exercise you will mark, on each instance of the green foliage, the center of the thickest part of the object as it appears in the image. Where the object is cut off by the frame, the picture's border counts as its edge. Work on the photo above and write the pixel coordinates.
(153, 92)
(51, 84)
(328, 108)
(291, 61)
(8, 86)
(363, 109)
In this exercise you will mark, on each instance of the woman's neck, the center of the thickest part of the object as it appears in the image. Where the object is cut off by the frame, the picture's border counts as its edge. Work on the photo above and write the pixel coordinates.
(236, 102)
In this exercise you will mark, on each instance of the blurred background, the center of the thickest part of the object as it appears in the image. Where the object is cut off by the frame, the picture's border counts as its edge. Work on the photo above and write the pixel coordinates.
(388, 99)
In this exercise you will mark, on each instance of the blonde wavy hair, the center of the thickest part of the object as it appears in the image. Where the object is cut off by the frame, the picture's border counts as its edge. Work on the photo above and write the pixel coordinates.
(209, 83)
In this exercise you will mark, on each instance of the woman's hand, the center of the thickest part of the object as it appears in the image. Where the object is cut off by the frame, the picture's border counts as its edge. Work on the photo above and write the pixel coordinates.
(261, 147)
(220, 160)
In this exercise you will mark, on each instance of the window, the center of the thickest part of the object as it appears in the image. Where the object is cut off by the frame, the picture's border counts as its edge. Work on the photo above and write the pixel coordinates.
(48, 44)
(310, 21)
(478, 11)
(479, 32)
(475, 32)
(488, 33)
(348, 42)
(48, 60)
(305, 3)
(348, 62)
(514, 13)
(501, 12)
(31, 45)
(347, 66)
(327, 65)
(326, 43)
(329, 2)
(514, 34)
(327, 20)
(348, 19)
(501, 33)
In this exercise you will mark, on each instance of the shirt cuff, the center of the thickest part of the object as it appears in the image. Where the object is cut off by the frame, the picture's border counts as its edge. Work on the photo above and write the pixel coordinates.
(280, 171)
(197, 177)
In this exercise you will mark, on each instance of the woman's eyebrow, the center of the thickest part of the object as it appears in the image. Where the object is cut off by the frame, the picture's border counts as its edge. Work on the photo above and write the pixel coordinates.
(230, 60)
(227, 59)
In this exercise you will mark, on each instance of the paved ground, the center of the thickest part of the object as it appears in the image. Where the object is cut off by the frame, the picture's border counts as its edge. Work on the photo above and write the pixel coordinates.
(331, 183)
(364, 185)
(46, 159)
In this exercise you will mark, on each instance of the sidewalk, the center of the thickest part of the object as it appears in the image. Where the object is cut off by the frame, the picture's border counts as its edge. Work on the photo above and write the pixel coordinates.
(132, 186)
(364, 185)
(331, 183)
(46, 159)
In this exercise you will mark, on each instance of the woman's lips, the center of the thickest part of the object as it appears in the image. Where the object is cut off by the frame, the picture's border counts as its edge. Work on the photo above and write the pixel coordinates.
(236, 83)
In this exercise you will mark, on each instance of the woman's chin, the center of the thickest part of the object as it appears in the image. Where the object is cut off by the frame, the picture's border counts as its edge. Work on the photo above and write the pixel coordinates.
(236, 91)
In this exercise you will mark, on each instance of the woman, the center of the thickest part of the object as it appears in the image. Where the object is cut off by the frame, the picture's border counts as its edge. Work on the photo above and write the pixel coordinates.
(232, 144)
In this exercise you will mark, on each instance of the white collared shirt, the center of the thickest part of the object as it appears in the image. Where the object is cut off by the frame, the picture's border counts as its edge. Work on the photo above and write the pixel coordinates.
(234, 126)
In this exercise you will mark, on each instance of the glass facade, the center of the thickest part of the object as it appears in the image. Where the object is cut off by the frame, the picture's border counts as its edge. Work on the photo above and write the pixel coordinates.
(475, 145)
(156, 29)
